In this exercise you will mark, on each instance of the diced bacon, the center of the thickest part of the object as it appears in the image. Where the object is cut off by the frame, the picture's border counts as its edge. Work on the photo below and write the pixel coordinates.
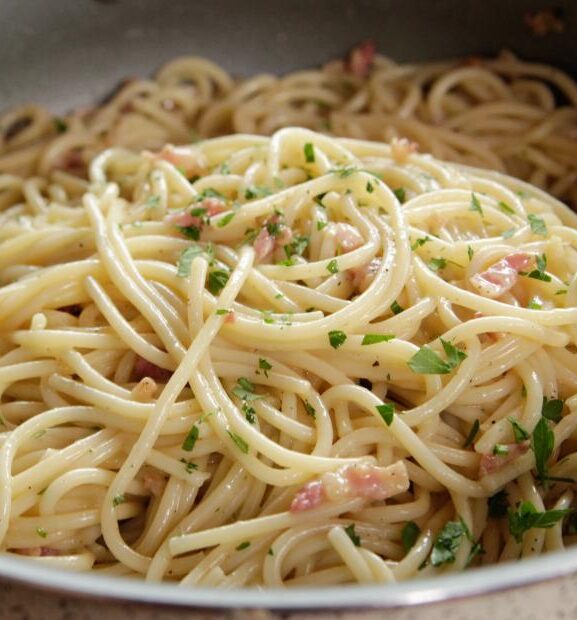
(144, 368)
(153, 481)
(490, 463)
(347, 236)
(186, 158)
(72, 162)
(266, 242)
(502, 275)
(363, 481)
(310, 496)
(230, 317)
(263, 245)
(37, 552)
(401, 148)
(145, 389)
(364, 275)
(211, 206)
(361, 58)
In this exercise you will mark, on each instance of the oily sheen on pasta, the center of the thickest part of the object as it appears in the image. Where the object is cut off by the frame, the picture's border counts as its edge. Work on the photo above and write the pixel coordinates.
(286, 361)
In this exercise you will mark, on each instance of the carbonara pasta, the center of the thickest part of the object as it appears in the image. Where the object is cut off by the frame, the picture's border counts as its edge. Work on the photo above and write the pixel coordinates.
(286, 361)
(499, 113)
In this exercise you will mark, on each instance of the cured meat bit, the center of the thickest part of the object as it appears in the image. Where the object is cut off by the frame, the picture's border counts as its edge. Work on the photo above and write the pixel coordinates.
(186, 158)
(347, 236)
(145, 389)
(144, 368)
(273, 234)
(153, 481)
(208, 207)
(362, 480)
(361, 58)
(491, 463)
(364, 275)
(401, 148)
(73, 163)
(230, 317)
(502, 275)
(37, 552)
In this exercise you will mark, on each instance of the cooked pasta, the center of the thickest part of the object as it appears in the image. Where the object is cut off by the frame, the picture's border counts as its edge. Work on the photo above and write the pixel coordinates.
(503, 113)
(286, 361)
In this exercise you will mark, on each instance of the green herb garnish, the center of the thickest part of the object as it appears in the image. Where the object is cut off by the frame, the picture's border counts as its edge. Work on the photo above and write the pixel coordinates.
(376, 338)
(337, 338)
(387, 412)
(527, 517)
(190, 439)
(350, 532)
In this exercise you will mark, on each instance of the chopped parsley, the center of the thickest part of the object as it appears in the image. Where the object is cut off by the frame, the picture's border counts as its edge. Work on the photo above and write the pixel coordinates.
(539, 273)
(447, 543)
(400, 194)
(60, 124)
(387, 412)
(472, 434)
(420, 242)
(310, 410)
(190, 439)
(527, 517)
(243, 545)
(561, 291)
(187, 256)
(370, 187)
(217, 281)
(519, 431)
(245, 390)
(509, 233)
(239, 441)
(409, 535)
(500, 449)
(257, 191)
(309, 151)
(191, 232)
(41, 532)
(264, 365)
(153, 201)
(350, 532)
(505, 208)
(538, 226)
(470, 253)
(534, 304)
(337, 338)
(321, 225)
(396, 308)
(476, 205)
(552, 409)
(426, 362)
(119, 499)
(226, 219)
(189, 466)
(333, 266)
(376, 338)
(221, 311)
(297, 246)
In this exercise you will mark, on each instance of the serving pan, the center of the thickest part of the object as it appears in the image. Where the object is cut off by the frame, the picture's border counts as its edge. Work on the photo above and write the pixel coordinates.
(67, 53)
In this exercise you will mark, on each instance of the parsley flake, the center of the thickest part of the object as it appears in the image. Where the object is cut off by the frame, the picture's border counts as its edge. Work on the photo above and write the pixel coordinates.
(476, 205)
(527, 517)
(396, 308)
(519, 431)
(376, 338)
(538, 226)
(309, 151)
(409, 535)
(264, 365)
(350, 532)
(387, 412)
(337, 338)
(333, 266)
(239, 441)
(190, 439)
(217, 281)
(472, 434)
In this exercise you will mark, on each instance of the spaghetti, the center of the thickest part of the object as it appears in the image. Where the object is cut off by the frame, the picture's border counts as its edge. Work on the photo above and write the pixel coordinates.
(503, 113)
(286, 361)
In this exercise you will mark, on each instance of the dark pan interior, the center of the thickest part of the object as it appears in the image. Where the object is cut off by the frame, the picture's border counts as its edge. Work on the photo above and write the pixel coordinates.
(64, 53)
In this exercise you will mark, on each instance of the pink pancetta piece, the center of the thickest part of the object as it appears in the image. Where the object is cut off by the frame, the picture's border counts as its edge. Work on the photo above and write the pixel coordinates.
(144, 368)
(364, 275)
(347, 236)
(186, 158)
(266, 242)
(490, 463)
(359, 481)
(501, 276)
(361, 58)
(211, 206)
(230, 317)
(264, 245)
